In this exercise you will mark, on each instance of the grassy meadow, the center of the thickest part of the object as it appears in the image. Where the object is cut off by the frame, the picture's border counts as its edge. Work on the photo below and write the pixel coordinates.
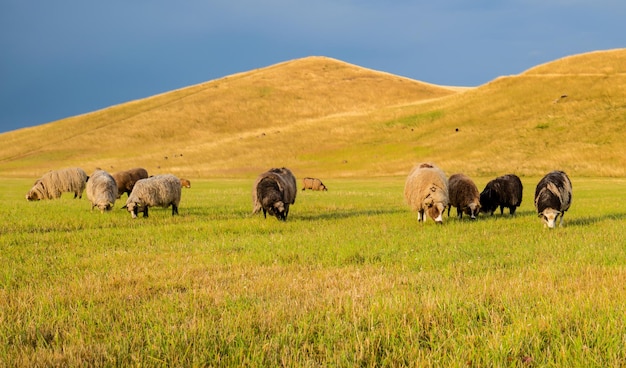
(351, 279)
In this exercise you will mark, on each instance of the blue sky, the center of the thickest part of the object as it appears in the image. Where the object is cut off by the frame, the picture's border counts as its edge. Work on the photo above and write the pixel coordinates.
(68, 57)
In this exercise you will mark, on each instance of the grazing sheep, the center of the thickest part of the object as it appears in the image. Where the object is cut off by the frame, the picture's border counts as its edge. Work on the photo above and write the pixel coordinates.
(158, 190)
(185, 183)
(54, 183)
(313, 184)
(126, 179)
(426, 191)
(503, 191)
(274, 191)
(101, 190)
(553, 196)
(464, 196)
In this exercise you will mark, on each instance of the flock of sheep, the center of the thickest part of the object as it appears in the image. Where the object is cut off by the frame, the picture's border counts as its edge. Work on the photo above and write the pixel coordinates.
(427, 190)
(103, 189)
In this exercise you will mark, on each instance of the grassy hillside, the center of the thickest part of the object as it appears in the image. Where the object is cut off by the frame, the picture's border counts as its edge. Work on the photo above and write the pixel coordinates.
(324, 117)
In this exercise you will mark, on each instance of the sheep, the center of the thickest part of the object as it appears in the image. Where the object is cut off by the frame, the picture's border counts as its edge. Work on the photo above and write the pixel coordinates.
(274, 191)
(126, 179)
(553, 196)
(54, 183)
(101, 190)
(464, 196)
(159, 190)
(185, 183)
(313, 184)
(503, 191)
(426, 191)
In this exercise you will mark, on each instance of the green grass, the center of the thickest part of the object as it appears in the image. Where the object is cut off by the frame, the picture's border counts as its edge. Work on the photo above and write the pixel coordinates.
(351, 279)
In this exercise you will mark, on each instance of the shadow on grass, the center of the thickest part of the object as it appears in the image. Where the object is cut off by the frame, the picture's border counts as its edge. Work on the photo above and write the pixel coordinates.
(343, 214)
(495, 216)
(584, 221)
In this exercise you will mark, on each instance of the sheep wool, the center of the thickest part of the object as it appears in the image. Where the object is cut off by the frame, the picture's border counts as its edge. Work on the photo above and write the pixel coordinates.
(54, 183)
(553, 197)
(274, 191)
(159, 190)
(313, 184)
(101, 190)
(126, 180)
(426, 191)
(464, 196)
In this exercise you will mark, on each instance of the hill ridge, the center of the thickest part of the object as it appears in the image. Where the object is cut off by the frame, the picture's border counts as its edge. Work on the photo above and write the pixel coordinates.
(338, 119)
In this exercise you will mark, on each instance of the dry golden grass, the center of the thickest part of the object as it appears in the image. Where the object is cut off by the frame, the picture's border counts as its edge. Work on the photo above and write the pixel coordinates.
(324, 117)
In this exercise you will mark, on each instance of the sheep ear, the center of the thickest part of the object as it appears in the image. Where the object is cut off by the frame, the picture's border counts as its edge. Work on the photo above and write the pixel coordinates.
(124, 207)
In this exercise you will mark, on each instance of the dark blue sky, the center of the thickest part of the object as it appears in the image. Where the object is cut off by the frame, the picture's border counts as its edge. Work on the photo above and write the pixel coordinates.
(68, 57)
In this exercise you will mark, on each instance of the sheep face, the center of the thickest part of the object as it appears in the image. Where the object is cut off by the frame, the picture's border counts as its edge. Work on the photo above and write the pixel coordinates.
(549, 216)
(435, 211)
(133, 208)
(278, 210)
(104, 206)
(472, 210)
(32, 196)
(36, 192)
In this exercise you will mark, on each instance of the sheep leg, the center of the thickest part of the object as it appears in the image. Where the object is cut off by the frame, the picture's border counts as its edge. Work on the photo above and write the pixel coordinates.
(174, 209)
(420, 215)
(459, 213)
(145, 211)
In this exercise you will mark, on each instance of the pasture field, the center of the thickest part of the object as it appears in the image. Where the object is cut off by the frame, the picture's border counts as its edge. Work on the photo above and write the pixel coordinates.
(351, 279)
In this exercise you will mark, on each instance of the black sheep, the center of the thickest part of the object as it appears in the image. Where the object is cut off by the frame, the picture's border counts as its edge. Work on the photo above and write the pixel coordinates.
(553, 196)
(503, 191)
(273, 192)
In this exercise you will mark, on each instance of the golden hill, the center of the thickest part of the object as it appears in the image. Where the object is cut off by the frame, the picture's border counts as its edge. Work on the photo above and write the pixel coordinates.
(323, 117)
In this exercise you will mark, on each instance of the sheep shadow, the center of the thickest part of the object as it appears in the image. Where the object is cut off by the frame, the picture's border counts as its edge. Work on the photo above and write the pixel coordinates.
(339, 214)
(497, 216)
(589, 220)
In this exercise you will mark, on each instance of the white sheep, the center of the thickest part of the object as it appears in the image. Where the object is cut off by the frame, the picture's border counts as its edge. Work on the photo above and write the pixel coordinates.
(54, 183)
(101, 190)
(159, 190)
(426, 191)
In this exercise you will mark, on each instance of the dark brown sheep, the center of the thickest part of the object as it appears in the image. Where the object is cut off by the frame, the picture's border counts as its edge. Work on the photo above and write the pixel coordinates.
(126, 180)
(464, 196)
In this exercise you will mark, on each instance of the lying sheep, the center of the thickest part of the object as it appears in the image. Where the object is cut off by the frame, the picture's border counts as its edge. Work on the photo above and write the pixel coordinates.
(54, 183)
(464, 196)
(158, 190)
(101, 190)
(185, 183)
(426, 191)
(553, 196)
(503, 191)
(313, 184)
(126, 179)
(274, 191)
